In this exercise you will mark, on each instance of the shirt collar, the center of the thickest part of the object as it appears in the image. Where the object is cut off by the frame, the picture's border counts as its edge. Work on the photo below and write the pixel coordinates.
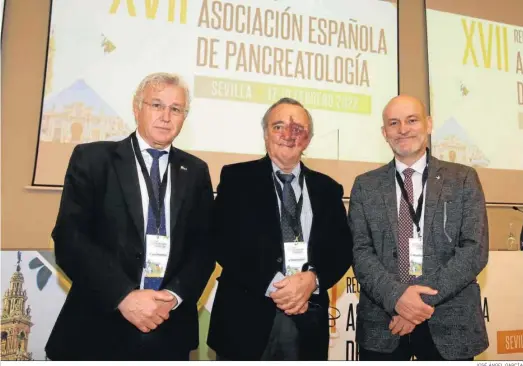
(144, 145)
(418, 166)
(296, 171)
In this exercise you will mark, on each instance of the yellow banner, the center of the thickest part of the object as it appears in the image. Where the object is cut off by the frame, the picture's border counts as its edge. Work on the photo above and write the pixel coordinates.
(253, 92)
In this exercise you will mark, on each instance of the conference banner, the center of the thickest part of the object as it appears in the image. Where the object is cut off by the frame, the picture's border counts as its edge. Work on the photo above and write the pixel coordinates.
(476, 84)
(34, 289)
(475, 64)
(337, 57)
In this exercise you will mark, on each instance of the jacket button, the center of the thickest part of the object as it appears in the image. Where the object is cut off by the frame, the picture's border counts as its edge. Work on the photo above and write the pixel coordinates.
(279, 260)
(138, 255)
(394, 254)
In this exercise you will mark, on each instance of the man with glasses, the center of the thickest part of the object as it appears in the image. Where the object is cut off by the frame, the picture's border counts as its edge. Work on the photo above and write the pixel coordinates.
(282, 239)
(132, 234)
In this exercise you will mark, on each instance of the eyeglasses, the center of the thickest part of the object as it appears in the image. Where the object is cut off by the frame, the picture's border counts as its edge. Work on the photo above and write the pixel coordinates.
(159, 107)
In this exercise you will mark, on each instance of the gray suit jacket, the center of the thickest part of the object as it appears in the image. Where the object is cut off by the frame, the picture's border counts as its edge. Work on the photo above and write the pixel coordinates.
(455, 251)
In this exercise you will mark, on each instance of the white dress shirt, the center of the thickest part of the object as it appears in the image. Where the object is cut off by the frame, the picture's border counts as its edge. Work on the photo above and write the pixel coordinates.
(417, 176)
(163, 163)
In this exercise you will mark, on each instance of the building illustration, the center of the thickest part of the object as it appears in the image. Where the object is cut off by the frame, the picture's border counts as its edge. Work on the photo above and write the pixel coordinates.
(77, 115)
(451, 143)
(16, 319)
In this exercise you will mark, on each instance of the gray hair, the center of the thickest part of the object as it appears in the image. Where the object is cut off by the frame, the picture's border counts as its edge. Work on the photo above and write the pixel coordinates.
(286, 100)
(158, 79)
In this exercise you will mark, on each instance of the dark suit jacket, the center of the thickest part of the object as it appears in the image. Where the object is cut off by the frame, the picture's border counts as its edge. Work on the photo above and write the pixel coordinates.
(99, 244)
(455, 251)
(247, 234)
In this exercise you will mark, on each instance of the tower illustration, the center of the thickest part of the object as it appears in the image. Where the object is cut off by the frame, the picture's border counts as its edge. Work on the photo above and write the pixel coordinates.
(16, 319)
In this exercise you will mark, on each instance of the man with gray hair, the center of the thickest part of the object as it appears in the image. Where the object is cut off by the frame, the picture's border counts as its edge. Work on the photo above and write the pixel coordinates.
(281, 237)
(132, 234)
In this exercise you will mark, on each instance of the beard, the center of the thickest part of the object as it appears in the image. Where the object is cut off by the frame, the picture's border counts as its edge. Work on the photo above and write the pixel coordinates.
(412, 150)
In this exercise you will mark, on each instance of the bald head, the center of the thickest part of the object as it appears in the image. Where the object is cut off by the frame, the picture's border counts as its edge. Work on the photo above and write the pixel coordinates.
(406, 128)
(402, 100)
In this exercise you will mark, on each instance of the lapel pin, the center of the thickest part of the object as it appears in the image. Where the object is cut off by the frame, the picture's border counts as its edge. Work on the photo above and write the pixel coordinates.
(184, 168)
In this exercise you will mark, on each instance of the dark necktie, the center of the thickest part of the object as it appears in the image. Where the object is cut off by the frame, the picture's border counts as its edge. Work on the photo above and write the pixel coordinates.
(156, 181)
(155, 282)
(405, 228)
(289, 214)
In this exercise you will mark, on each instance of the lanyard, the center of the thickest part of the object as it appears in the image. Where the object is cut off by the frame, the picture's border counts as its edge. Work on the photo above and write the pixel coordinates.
(293, 216)
(156, 206)
(416, 216)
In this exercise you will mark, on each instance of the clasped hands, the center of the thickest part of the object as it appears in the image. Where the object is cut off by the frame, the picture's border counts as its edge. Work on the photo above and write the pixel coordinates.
(411, 310)
(293, 292)
(147, 309)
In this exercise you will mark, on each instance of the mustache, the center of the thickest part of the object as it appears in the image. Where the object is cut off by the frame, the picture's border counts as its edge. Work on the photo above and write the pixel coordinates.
(404, 138)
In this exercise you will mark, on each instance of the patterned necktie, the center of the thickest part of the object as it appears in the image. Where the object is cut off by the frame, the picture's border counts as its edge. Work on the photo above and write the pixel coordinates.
(155, 282)
(405, 229)
(156, 181)
(289, 209)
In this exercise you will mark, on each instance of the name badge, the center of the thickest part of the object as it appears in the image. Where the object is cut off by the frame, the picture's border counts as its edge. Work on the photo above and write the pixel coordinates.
(416, 256)
(295, 256)
(157, 255)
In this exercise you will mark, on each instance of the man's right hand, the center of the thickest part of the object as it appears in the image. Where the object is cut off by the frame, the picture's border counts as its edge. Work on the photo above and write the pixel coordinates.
(411, 307)
(398, 325)
(140, 308)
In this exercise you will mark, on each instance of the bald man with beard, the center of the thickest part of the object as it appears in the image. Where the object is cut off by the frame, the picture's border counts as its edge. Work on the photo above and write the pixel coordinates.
(420, 240)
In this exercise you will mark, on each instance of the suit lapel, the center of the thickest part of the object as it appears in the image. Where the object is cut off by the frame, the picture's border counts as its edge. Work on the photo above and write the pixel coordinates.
(315, 201)
(125, 167)
(179, 177)
(388, 191)
(434, 185)
(267, 201)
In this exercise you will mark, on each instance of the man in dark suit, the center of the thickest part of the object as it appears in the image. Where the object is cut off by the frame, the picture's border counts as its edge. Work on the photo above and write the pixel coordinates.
(275, 217)
(132, 234)
(420, 240)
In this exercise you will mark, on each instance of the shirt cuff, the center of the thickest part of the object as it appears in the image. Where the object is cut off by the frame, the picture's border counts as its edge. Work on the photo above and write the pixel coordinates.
(177, 298)
(317, 291)
(308, 267)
